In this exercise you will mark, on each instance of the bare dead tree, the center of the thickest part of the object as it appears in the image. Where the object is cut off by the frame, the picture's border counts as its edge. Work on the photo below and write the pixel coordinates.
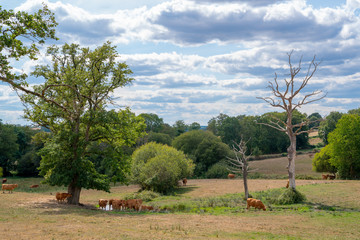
(239, 164)
(289, 99)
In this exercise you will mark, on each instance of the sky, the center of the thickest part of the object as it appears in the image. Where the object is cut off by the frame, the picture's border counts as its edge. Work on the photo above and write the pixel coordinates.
(193, 60)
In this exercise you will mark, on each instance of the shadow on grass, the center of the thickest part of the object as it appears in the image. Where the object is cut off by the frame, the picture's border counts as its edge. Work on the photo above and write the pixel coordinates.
(183, 190)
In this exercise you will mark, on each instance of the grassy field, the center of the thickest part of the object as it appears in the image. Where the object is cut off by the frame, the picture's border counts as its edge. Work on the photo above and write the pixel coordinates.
(204, 209)
(331, 211)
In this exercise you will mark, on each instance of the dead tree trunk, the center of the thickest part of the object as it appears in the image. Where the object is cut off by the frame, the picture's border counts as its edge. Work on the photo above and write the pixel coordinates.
(289, 100)
(239, 164)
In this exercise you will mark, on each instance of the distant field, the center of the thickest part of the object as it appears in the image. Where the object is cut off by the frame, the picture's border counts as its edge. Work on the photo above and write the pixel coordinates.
(332, 211)
(277, 166)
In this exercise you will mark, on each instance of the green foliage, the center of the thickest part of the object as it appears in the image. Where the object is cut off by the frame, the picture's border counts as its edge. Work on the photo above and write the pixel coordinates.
(314, 120)
(203, 147)
(159, 167)
(72, 103)
(290, 196)
(328, 125)
(8, 147)
(322, 161)
(14, 28)
(1, 172)
(180, 127)
(145, 195)
(153, 122)
(218, 170)
(344, 142)
(162, 138)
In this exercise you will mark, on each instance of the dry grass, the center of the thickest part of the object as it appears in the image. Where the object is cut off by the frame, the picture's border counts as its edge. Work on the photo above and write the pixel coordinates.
(38, 216)
(277, 166)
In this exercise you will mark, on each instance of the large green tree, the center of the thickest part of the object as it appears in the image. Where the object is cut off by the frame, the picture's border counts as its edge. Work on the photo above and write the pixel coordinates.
(328, 125)
(203, 147)
(72, 103)
(344, 142)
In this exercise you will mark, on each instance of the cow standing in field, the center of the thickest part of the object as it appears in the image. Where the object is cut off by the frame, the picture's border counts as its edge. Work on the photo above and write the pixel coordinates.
(9, 187)
(60, 197)
(257, 204)
(231, 176)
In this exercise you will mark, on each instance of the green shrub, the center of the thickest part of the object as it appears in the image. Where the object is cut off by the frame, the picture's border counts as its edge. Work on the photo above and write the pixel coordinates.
(145, 195)
(218, 170)
(159, 167)
(290, 196)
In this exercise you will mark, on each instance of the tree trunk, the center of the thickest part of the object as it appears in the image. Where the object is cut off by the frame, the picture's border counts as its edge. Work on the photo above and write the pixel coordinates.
(245, 182)
(75, 192)
(291, 158)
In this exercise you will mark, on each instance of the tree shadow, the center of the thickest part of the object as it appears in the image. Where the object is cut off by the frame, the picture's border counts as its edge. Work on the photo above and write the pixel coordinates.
(183, 190)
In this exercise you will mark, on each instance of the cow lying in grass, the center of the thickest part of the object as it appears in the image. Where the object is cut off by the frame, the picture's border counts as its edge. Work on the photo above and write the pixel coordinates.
(60, 197)
(231, 176)
(9, 187)
(257, 204)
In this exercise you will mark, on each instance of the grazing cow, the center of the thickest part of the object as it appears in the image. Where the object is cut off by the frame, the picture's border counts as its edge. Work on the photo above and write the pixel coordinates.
(117, 204)
(4, 180)
(34, 186)
(332, 177)
(103, 203)
(257, 204)
(325, 176)
(60, 197)
(287, 185)
(9, 187)
(133, 204)
(231, 176)
(184, 181)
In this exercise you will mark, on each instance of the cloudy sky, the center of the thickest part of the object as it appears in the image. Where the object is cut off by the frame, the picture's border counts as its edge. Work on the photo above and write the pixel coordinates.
(193, 60)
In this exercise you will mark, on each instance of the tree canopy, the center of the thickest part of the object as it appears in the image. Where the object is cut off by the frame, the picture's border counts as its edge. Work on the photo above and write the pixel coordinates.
(21, 34)
(159, 167)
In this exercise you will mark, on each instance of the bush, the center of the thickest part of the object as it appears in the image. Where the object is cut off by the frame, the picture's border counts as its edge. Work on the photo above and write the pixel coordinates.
(145, 195)
(218, 170)
(159, 167)
(290, 196)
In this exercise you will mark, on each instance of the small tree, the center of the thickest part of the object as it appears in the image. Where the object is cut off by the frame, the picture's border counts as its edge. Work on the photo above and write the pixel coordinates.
(159, 167)
(289, 99)
(239, 164)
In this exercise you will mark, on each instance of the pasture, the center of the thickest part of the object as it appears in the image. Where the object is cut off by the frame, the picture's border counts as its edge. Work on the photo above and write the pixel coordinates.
(331, 211)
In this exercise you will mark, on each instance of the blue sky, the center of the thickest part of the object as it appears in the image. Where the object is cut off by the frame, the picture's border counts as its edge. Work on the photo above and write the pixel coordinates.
(193, 60)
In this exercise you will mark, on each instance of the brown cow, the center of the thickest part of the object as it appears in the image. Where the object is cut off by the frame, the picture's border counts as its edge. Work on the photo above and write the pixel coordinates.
(257, 204)
(184, 181)
(103, 203)
(60, 197)
(4, 180)
(325, 176)
(34, 186)
(287, 185)
(332, 177)
(9, 187)
(231, 176)
(133, 204)
(117, 204)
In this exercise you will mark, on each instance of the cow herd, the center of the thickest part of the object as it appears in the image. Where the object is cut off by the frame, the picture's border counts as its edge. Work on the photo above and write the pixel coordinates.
(119, 204)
